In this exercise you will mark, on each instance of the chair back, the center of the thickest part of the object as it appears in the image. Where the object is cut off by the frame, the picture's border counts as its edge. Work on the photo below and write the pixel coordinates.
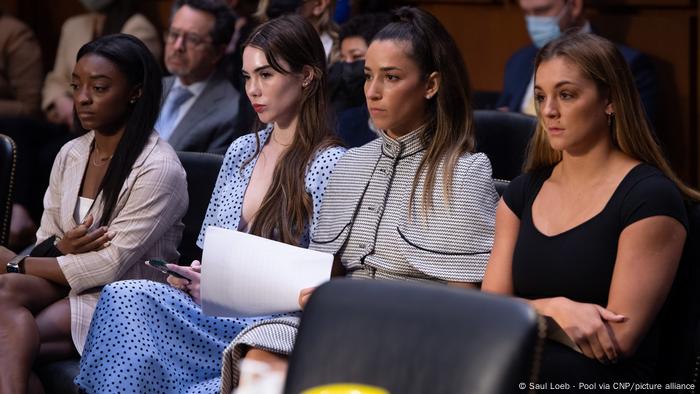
(500, 185)
(503, 137)
(8, 164)
(679, 360)
(414, 338)
(202, 170)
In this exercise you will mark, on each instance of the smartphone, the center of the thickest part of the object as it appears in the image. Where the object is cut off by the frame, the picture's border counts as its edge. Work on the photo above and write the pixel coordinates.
(161, 266)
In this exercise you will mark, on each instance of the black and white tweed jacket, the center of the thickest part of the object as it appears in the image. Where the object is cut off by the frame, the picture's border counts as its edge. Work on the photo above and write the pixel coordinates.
(367, 218)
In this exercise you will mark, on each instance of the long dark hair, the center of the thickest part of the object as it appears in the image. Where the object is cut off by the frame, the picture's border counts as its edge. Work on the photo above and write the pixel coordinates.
(139, 66)
(287, 207)
(449, 130)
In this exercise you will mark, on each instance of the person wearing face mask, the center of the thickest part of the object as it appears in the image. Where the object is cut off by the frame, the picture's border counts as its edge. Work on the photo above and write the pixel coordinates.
(347, 78)
(547, 20)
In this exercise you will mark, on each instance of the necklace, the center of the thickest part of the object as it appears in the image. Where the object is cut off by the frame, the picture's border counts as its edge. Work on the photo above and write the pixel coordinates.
(277, 142)
(103, 160)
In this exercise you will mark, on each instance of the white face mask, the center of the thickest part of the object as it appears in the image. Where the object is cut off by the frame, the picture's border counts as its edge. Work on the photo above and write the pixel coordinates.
(543, 29)
(96, 5)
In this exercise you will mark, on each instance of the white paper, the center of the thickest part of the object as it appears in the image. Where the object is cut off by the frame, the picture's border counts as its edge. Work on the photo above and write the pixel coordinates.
(245, 275)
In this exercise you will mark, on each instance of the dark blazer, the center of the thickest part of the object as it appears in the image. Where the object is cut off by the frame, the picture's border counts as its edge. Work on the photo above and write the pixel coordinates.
(208, 126)
(521, 64)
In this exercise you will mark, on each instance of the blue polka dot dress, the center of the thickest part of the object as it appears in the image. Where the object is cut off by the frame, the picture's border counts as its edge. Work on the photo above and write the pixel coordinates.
(147, 337)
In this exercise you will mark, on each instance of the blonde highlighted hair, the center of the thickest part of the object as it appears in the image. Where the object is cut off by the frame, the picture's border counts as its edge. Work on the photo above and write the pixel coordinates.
(449, 129)
(600, 61)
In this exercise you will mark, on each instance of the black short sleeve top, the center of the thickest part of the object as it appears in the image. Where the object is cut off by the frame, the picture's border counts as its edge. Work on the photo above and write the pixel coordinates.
(578, 263)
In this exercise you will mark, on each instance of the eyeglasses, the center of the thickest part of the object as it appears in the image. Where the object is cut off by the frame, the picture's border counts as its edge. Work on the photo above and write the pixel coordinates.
(189, 40)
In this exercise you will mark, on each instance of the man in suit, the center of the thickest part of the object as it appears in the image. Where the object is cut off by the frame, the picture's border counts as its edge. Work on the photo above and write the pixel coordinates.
(546, 20)
(200, 105)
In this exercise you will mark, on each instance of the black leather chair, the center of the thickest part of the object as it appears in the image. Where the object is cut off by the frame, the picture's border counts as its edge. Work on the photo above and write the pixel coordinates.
(202, 170)
(680, 319)
(500, 185)
(503, 137)
(485, 99)
(8, 163)
(414, 338)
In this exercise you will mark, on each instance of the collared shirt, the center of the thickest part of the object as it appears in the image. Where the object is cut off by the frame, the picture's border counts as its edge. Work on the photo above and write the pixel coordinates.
(196, 89)
(365, 217)
(227, 198)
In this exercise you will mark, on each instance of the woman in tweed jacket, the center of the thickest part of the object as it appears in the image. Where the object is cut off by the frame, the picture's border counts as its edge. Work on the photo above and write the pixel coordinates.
(116, 197)
(415, 204)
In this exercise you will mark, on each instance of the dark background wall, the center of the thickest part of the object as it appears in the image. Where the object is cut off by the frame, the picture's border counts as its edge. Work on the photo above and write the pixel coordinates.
(488, 31)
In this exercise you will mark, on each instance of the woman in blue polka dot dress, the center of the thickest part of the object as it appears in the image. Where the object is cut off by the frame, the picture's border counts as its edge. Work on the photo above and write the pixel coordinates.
(148, 337)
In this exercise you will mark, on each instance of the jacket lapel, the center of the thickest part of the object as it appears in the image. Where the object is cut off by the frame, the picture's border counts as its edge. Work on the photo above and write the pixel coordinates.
(131, 178)
(97, 207)
(168, 83)
(202, 107)
(345, 190)
(74, 172)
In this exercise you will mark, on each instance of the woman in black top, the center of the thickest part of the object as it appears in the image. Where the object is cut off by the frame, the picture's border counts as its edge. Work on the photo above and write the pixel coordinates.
(592, 233)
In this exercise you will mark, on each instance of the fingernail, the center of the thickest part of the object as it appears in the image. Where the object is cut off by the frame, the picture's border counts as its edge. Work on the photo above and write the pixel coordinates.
(110, 234)
(107, 244)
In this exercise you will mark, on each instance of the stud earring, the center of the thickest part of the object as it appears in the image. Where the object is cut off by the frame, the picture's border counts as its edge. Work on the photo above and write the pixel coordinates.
(611, 118)
(132, 101)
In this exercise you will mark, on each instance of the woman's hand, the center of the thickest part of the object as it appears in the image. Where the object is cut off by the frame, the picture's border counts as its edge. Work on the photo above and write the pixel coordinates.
(304, 295)
(79, 240)
(588, 325)
(191, 286)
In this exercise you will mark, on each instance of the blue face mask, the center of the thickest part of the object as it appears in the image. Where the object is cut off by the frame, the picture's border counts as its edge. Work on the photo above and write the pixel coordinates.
(543, 29)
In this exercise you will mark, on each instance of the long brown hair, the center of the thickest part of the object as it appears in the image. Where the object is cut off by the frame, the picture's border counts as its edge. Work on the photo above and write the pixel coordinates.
(287, 208)
(449, 129)
(600, 61)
